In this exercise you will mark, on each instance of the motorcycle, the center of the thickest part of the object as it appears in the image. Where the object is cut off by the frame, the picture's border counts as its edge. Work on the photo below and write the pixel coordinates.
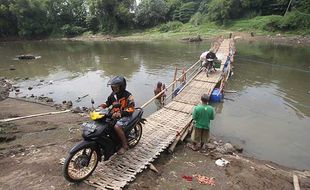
(100, 142)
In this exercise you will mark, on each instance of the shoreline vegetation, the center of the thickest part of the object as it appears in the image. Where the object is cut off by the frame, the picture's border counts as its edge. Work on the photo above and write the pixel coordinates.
(152, 19)
(184, 32)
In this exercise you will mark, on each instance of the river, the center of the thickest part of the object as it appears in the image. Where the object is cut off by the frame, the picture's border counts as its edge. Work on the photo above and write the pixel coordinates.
(269, 115)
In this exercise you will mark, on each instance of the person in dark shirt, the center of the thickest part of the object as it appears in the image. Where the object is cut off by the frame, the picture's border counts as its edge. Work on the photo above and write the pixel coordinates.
(123, 111)
(210, 57)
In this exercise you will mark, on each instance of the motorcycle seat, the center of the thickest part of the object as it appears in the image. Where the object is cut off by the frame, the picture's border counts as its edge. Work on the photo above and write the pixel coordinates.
(136, 115)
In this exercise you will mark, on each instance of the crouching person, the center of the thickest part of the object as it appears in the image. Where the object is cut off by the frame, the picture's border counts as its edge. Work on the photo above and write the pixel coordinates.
(202, 115)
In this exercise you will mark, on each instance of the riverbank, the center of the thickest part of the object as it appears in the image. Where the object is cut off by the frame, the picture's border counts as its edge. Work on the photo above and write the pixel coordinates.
(30, 158)
(247, 29)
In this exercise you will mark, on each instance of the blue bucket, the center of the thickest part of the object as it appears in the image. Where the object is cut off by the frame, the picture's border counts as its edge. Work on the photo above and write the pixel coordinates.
(216, 96)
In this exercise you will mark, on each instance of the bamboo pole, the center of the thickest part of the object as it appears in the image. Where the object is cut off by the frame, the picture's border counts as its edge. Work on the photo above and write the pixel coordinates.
(35, 115)
(289, 4)
(174, 78)
(152, 99)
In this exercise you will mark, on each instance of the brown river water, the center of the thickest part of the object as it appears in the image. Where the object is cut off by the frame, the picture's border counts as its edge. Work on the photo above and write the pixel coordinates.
(269, 115)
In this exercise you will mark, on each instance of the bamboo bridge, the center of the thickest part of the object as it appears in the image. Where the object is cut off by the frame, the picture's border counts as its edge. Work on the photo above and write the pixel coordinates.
(165, 127)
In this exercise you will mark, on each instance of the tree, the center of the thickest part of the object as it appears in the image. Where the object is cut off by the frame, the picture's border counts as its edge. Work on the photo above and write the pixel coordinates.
(185, 12)
(203, 7)
(72, 12)
(111, 14)
(8, 21)
(224, 10)
(173, 6)
(151, 12)
(302, 6)
(31, 17)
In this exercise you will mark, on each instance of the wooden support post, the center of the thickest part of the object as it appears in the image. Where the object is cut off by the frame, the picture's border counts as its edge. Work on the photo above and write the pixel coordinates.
(174, 79)
(188, 130)
(179, 136)
(153, 168)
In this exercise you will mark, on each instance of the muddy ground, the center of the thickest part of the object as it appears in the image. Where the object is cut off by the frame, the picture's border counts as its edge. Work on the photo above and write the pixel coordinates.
(30, 151)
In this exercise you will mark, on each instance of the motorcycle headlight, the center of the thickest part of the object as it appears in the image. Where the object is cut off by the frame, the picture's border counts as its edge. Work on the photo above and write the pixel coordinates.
(94, 115)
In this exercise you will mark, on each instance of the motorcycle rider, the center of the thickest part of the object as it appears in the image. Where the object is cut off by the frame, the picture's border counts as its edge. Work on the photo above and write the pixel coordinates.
(123, 111)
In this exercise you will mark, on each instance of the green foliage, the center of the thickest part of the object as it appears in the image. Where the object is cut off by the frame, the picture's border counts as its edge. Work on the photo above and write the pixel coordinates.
(151, 12)
(92, 23)
(173, 6)
(8, 21)
(303, 6)
(218, 10)
(293, 20)
(203, 7)
(198, 19)
(185, 12)
(223, 10)
(125, 17)
(112, 14)
(70, 30)
(273, 23)
(72, 12)
(170, 26)
(31, 17)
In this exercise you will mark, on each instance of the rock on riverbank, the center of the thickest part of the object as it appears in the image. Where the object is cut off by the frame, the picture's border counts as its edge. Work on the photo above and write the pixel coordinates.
(5, 87)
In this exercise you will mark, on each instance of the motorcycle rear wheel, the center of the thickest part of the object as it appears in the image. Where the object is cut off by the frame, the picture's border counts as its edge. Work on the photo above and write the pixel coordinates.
(137, 131)
(80, 164)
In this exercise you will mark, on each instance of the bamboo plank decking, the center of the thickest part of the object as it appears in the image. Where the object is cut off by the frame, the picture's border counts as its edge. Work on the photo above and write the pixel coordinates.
(159, 131)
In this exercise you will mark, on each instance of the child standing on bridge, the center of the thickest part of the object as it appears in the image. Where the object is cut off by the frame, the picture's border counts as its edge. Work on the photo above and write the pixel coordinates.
(202, 115)
(159, 101)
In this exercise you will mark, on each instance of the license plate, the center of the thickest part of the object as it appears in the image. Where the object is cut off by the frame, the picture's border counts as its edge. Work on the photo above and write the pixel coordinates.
(91, 127)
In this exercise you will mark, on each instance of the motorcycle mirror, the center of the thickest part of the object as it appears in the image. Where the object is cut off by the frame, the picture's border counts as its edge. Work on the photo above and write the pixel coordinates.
(92, 101)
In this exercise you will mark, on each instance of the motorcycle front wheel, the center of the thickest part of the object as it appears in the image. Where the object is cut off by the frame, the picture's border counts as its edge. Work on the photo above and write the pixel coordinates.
(80, 164)
(135, 135)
